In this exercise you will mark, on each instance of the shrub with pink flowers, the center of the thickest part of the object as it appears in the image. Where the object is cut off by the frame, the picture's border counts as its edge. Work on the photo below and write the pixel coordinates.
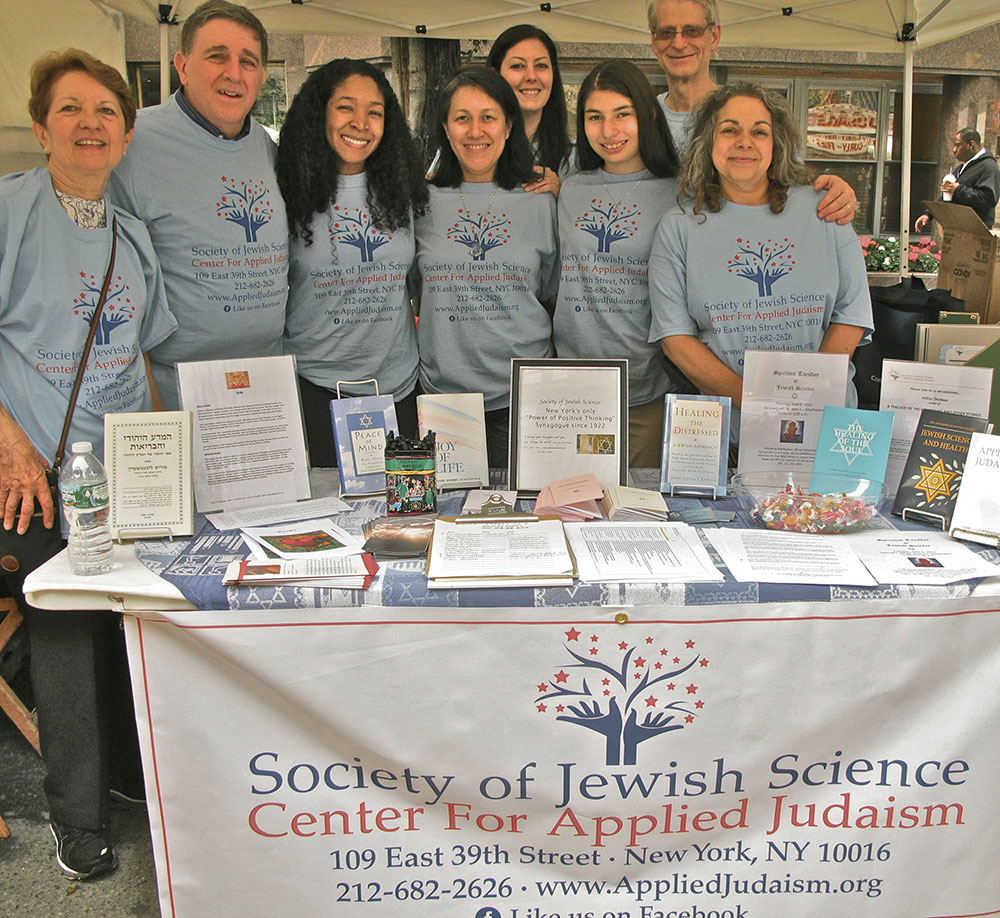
(882, 254)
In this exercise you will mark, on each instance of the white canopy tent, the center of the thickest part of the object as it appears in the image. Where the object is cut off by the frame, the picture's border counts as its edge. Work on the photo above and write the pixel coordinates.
(888, 26)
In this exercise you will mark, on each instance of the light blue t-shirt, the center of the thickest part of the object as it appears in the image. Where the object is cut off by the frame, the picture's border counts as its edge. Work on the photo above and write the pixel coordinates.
(747, 278)
(217, 221)
(486, 260)
(681, 124)
(51, 273)
(349, 315)
(606, 227)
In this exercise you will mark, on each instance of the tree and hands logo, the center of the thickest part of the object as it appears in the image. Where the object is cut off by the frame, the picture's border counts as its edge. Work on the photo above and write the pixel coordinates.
(762, 262)
(353, 226)
(611, 701)
(118, 307)
(247, 204)
(608, 223)
(479, 232)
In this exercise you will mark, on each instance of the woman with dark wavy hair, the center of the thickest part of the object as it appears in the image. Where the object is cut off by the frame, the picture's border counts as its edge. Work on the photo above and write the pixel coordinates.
(744, 262)
(608, 214)
(526, 58)
(350, 176)
(486, 251)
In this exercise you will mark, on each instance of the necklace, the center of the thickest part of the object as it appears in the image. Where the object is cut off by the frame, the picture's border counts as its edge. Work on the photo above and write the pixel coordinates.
(625, 196)
(477, 248)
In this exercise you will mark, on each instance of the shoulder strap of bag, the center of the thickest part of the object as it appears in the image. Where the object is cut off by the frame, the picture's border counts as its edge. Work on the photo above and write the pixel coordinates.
(98, 309)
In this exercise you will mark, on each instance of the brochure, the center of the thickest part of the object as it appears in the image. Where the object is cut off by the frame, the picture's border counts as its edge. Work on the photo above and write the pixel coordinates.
(360, 426)
(248, 447)
(852, 451)
(918, 557)
(621, 504)
(571, 498)
(354, 572)
(311, 537)
(148, 460)
(784, 394)
(908, 388)
(976, 517)
(695, 444)
(459, 424)
(934, 468)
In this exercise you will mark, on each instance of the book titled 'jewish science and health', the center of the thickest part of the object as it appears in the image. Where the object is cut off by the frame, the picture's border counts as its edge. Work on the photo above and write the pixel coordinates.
(935, 467)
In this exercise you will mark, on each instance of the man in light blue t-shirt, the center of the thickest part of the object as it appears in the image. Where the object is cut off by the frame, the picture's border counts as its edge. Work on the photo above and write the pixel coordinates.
(200, 175)
(685, 33)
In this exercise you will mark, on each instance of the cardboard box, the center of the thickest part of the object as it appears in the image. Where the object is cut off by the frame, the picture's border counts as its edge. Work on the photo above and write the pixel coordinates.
(969, 265)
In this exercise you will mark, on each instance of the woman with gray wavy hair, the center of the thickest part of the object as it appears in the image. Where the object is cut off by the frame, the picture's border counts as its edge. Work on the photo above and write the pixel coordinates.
(742, 262)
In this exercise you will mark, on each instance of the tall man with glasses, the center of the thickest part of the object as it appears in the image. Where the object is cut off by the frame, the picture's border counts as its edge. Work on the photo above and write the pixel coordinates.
(685, 33)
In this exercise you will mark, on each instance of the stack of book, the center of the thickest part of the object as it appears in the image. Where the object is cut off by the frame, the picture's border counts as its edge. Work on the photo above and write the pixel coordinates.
(633, 504)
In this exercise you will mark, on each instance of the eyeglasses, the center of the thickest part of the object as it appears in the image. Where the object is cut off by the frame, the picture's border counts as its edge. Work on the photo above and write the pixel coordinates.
(688, 33)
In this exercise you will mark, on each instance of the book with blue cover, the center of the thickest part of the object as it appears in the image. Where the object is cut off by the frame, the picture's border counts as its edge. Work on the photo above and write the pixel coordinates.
(852, 451)
(359, 430)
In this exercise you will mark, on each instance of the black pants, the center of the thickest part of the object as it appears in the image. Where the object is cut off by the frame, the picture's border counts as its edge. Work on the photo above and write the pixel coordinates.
(86, 719)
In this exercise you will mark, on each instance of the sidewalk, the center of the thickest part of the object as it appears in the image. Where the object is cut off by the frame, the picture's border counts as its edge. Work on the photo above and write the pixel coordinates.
(31, 885)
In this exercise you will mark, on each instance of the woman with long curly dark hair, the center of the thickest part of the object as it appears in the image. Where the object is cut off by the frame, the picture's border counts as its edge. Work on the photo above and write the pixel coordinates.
(351, 179)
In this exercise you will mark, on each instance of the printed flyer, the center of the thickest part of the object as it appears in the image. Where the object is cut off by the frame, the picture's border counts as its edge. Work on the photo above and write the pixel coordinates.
(419, 762)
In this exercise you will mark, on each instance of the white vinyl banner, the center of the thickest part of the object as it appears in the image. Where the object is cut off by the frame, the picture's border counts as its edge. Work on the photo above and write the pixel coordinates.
(551, 763)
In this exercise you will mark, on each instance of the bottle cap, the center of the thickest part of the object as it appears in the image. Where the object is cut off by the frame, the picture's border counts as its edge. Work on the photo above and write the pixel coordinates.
(83, 446)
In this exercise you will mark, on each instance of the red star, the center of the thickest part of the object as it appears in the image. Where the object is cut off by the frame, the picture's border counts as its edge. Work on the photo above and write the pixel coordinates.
(703, 661)
(607, 691)
(671, 686)
(605, 682)
(651, 702)
(677, 659)
(639, 661)
(649, 640)
(542, 687)
(657, 665)
(572, 635)
(699, 704)
(663, 652)
(691, 689)
(541, 708)
(560, 708)
(638, 675)
(623, 646)
(593, 651)
(593, 638)
(689, 644)
(689, 719)
(562, 676)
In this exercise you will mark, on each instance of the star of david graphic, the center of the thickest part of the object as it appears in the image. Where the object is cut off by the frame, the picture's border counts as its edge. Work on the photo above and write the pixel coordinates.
(935, 480)
(604, 445)
(855, 433)
(366, 420)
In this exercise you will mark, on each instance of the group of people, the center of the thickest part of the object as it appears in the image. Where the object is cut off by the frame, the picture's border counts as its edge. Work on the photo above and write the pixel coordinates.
(672, 231)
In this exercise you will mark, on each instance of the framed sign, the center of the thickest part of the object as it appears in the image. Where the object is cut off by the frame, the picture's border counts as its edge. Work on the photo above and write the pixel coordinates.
(567, 418)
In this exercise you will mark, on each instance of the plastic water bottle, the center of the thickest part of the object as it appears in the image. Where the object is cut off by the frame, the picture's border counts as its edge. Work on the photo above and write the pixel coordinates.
(84, 489)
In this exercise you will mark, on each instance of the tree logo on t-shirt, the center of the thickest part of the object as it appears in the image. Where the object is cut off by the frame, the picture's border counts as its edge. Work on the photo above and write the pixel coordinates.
(118, 307)
(608, 223)
(353, 226)
(479, 232)
(764, 264)
(246, 204)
